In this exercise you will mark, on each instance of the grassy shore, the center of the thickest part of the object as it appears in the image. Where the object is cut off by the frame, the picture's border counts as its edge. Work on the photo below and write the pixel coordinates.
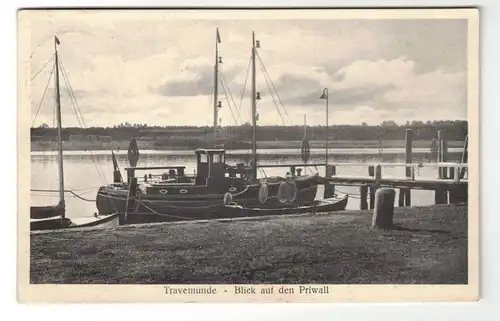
(150, 145)
(428, 246)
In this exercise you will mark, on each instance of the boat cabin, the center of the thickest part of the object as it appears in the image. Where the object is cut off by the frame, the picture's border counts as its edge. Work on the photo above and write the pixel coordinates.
(211, 170)
(211, 166)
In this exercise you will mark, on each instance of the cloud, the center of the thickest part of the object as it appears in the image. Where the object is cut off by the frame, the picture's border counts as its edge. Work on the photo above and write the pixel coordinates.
(199, 82)
(153, 69)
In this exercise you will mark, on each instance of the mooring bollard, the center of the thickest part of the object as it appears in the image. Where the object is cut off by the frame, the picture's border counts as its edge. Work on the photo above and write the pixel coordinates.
(384, 208)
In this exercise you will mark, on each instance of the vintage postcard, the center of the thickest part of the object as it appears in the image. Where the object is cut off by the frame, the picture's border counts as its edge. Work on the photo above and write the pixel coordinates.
(248, 155)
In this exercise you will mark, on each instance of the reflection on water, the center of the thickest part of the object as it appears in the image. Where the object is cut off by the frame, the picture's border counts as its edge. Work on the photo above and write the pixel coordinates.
(85, 172)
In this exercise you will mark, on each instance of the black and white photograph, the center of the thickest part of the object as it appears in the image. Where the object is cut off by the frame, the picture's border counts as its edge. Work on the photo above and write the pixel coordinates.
(248, 155)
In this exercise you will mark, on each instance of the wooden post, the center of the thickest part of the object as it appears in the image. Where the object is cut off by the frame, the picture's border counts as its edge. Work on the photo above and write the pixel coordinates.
(407, 197)
(401, 198)
(408, 170)
(442, 153)
(404, 197)
(363, 193)
(131, 195)
(331, 170)
(378, 172)
(442, 195)
(465, 157)
(458, 194)
(371, 173)
(451, 173)
(408, 150)
(383, 213)
(439, 196)
(130, 174)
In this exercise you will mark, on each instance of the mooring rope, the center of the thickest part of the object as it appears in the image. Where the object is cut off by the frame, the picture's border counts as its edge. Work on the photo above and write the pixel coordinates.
(65, 191)
(162, 214)
(353, 195)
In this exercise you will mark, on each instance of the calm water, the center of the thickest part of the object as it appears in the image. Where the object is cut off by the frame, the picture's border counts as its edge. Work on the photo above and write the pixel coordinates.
(86, 171)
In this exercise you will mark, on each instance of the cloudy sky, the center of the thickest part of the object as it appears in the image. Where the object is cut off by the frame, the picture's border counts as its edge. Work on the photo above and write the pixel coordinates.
(155, 70)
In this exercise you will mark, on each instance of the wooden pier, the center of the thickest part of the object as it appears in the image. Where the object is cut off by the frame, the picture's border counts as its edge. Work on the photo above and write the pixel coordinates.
(450, 184)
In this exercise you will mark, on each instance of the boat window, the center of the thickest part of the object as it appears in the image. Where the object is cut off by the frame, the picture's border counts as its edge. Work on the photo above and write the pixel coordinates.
(223, 156)
(203, 158)
(216, 158)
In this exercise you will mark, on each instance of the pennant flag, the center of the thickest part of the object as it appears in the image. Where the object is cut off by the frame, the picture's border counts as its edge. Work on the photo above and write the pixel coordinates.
(218, 36)
(57, 41)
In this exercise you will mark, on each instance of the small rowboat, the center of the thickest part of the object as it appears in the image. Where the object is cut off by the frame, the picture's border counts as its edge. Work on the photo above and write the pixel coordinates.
(55, 223)
(320, 206)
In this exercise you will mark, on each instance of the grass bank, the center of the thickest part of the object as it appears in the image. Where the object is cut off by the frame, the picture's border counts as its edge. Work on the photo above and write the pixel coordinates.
(429, 246)
(151, 145)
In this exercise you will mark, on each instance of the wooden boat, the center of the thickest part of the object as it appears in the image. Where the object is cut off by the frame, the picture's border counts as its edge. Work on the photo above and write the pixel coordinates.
(214, 179)
(44, 212)
(207, 190)
(54, 217)
(104, 221)
(233, 210)
(320, 206)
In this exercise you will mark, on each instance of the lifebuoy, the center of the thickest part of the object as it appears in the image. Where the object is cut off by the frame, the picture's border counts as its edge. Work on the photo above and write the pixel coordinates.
(263, 193)
(183, 191)
(233, 189)
(163, 191)
(287, 192)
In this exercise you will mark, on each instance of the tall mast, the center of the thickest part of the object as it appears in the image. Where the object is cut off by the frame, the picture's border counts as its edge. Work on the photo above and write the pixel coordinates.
(216, 83)
(59, 125)
(305, 127)
(254, 113)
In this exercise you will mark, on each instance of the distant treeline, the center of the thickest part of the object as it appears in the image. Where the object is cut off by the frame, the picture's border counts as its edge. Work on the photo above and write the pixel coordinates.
(387, 130)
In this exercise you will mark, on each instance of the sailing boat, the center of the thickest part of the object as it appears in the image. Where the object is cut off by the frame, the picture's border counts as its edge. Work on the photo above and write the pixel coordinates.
(54, 217)
(209, 191)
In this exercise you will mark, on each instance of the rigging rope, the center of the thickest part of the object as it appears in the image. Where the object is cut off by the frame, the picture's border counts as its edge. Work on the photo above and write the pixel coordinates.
(243, 90)
(227, 99)
(272, 95)
(43, 95)
(76, 108)
(39, 71)
(79, 117)
(224, 83)
(277, 94)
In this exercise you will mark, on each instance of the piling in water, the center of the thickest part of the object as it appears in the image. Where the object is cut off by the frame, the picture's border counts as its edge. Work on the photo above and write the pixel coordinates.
(408, 150)
(404, 197)
(439, 196)
(372, 187)
(442, 153)
(363, 191)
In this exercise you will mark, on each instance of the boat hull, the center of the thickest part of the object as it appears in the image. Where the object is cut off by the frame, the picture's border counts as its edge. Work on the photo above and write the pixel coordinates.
(110, 201)
(43, 212)
(49, 224)
(233, 211)
(105, 221)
